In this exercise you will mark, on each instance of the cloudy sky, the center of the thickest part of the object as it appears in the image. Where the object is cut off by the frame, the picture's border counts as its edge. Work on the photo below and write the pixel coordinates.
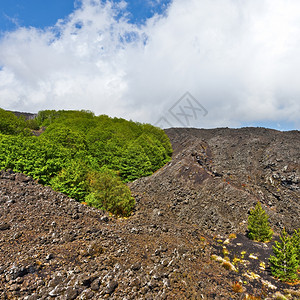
(199, 63)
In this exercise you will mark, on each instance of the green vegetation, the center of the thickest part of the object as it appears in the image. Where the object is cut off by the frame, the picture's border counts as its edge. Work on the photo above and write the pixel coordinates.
(107, 191)
(258, 225)
(296, 243)
(87, 157)
(285, 262)
(10, 124)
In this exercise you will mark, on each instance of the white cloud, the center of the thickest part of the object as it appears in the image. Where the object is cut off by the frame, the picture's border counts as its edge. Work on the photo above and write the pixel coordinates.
(239, 59)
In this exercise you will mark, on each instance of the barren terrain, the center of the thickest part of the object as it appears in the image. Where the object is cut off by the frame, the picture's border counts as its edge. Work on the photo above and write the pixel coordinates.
(52, 247)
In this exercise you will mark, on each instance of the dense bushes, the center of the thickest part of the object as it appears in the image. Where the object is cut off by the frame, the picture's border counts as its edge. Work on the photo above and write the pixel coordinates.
(82, 155)
(10, 124)
(30, 155)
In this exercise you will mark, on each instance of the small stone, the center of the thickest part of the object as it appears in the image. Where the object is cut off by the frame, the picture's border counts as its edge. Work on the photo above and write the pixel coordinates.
(95, 284)
(56, 291)
(86, 281)
(4, 226)
(17, 235)
(134, 230)
(32, 297)
(112, 285)
(71, 293)
(19, 280)
(166, 282)
(87, 294)
(49, 256)
(152, 284)
(16, 272)
(136, 266)
(156, 276)
(2, 269)
(55, 281)
(104, 219)
(15, 287)
(77, 269)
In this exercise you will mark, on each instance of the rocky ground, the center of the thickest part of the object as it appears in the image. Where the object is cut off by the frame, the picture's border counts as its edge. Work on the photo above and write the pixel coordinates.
(172, 247)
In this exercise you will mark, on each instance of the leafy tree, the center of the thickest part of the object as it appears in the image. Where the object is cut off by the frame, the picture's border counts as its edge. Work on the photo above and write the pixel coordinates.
(47, 117)
(160, 135)
(258, 225)
(285, 262)
(72, 180)
(108, 192)
(154, 150)
(32, 124)
(11, 124)
(134, 163)
(32, 156)
(66, 137)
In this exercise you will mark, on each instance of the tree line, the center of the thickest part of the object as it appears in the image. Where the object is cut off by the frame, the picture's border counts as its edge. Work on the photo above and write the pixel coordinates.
(87, 157)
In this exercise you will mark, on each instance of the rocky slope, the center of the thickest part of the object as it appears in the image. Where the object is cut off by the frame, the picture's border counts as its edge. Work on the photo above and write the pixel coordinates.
(52, 247)
(217, 175)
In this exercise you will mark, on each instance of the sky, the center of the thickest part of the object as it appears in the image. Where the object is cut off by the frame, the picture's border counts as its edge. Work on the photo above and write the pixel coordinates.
(172, 63)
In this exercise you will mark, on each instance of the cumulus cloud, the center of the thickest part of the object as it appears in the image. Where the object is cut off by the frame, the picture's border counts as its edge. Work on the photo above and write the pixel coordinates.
(238, 59)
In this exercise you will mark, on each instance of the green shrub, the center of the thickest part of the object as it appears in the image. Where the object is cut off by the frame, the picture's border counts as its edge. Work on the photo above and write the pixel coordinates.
(11, 124)
(109, 193)
(32, 124)
(296, 243)
(32, 156)
(258, 225)
(64, 136)
(284, 263)
(72, 180)
(134, 163)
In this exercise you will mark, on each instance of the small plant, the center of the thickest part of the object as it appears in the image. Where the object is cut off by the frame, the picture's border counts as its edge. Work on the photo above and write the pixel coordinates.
(225, 251)
(251, 275)
(296, 243)
(243, 254)
(262, 265)
(237, 287)
(227, 265)
(109, 193)
(258, 225)
(215, 257)
(252, 256)
(284, 263)
(224, 263)
(235, 260)
(232, 236)
(202, 239)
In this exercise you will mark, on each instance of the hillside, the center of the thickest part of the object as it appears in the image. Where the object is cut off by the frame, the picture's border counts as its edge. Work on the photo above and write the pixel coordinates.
(217, 175)
(52, 247)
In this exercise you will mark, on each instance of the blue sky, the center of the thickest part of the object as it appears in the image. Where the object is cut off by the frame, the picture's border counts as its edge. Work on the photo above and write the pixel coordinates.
(136, 59)
(43, 13)
(36, 13)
